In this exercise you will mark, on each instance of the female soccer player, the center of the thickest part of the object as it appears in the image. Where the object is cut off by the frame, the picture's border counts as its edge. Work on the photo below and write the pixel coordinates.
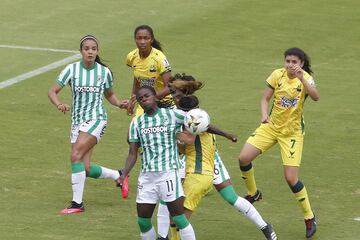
(205, 168)
(149, 65)
(89, 79)
(284, 124)
(155, 131)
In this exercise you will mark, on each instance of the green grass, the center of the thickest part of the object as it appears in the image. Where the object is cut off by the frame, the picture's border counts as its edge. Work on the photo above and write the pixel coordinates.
(232, 46)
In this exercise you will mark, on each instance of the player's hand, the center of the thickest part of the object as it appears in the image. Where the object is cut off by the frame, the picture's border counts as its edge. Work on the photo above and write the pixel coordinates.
(131, 105)
(63, 107)
(124, 104)
(120, 180)
(232, 137)
(299, 73)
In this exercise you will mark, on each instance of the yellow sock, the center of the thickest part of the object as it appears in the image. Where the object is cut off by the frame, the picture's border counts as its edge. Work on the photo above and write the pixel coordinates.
(302, 197)
(174, 233)
(247, 173)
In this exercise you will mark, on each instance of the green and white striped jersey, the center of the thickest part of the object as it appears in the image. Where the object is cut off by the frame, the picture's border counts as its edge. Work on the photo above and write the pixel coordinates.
(157, 135)
(87, 87)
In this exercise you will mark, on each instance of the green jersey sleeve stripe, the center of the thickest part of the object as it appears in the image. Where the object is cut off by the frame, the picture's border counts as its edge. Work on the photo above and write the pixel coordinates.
(64, 76)
(60, 83)
(109, 80)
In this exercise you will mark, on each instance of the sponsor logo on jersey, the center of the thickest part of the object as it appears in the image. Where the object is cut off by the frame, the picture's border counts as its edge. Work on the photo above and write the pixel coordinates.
(147, 82)
(88, 89)
(288, 103)
(157, 129)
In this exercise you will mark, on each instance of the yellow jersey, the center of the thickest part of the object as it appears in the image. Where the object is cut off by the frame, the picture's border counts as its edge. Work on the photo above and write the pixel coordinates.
(289, 96)
(148, 71)
(200, 155)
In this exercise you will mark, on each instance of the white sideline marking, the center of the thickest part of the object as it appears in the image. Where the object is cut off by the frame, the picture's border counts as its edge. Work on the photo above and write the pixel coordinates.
(357, 219)
(39, 71)
(38, 49)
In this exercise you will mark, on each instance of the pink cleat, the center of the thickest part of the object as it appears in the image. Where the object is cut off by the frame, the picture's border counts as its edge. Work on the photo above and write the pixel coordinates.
(125, 188)
(73, 208)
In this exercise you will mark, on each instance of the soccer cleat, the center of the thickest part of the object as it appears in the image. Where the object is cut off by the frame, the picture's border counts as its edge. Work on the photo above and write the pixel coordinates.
(310, 227)
(269, 232)
(125, 188)
(73, 208)
(254, 198)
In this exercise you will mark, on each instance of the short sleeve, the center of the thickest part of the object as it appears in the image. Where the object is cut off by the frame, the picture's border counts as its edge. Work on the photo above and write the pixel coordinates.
(164, 65)
(134, 131)
(65, 76)
(179, 116)
(108, 79)
(272, 79)
(311, 81)
(129, 60)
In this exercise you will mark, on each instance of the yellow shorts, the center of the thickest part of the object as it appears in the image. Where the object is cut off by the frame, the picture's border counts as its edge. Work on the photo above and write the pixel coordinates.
(291, 146)
(195, 187)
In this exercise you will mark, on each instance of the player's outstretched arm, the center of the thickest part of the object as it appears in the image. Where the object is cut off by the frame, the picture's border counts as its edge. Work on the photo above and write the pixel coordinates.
(217, 131)
(112, 98)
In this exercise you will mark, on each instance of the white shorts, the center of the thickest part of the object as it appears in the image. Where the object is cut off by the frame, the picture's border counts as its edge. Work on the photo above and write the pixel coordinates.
(220, 172)
(93, 127)
(155, 186)
(182, 168)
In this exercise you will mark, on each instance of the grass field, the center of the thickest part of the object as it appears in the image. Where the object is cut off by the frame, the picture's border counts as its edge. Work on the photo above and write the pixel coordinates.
(232, 46)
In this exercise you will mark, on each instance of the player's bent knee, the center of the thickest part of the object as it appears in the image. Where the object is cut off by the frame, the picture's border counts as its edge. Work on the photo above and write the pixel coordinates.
(181, 221)
(144, 224)
(228, 194)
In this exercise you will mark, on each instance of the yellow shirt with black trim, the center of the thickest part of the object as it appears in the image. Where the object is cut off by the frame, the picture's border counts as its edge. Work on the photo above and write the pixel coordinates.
(200, 155)
(286, 115)
(148, 71)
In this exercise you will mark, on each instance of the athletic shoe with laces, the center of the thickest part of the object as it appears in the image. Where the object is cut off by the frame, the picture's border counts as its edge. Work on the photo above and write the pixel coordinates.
(254, 198)
(73, 208)
(269, 232)
(310, 227)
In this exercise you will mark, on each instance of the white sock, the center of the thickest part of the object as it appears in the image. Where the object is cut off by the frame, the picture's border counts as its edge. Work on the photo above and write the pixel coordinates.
(163, 220)
(78, 184)
(250, 212)
(109, 173)
(187, 233)
(149, 235)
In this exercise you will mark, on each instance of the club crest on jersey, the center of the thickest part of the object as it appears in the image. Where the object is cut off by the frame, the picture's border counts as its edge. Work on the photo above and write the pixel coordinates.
(152, 68)
(156, 129)
(166, 120)
(288, 103)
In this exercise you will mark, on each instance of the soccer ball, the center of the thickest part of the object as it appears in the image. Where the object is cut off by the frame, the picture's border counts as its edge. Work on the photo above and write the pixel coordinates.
(196, 121)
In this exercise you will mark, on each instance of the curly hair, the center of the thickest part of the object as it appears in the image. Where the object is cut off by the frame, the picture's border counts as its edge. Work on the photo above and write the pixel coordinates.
(185, 83)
